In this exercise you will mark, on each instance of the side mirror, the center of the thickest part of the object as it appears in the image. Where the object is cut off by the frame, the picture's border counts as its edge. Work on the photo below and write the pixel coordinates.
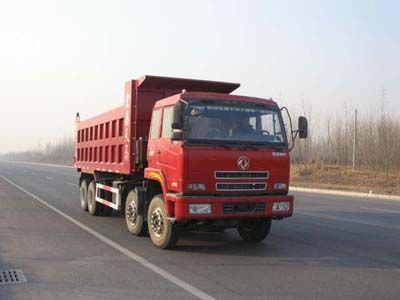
(176, 135)
(176, 125)
(303, 127)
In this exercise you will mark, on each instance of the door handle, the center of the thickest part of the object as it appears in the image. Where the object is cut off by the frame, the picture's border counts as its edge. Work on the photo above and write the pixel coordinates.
(158, 152)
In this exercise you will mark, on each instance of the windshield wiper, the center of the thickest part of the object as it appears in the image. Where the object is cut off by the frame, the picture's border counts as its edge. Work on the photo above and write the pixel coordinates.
(269, 145)
(211, 142)
(253, 145)
(220, 144)
(238, 144)
(244, 146)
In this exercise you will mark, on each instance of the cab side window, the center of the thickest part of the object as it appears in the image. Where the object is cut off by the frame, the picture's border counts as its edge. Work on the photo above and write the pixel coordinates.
(166, 123)
(155, 124)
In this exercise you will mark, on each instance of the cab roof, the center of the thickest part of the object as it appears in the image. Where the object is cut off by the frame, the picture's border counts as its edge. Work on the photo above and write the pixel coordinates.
(212, 96)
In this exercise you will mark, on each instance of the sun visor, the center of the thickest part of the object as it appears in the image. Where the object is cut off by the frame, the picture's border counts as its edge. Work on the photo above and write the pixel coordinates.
(190, 85)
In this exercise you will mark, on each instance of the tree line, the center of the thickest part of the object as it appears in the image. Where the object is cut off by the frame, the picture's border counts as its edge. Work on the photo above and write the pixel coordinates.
(377, 143)
(58, 152)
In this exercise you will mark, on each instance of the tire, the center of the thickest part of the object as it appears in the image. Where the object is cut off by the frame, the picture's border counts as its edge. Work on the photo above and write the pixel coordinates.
(94, 207)
(219, 229)
(83, 194)
(166, 234)
(254, 230)
(134, 222)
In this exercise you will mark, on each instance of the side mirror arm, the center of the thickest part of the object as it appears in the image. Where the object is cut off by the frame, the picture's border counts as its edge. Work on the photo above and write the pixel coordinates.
(293, 133)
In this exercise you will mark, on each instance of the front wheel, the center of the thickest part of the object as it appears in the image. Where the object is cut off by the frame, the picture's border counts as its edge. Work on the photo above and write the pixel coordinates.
(254, 230)
(163, 233)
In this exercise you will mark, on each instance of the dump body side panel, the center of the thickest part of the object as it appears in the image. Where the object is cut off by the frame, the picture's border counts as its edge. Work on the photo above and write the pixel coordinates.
(107, 142)
(100, 143)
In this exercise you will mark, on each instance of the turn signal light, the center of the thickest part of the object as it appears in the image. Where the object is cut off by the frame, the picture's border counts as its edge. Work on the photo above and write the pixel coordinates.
(280, 186)
(196, 187)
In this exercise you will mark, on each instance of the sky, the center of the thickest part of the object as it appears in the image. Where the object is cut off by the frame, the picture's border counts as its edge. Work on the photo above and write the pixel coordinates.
(317, 57)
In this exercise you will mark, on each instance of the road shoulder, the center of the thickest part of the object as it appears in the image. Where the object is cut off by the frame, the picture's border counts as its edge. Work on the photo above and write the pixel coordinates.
(346, 193)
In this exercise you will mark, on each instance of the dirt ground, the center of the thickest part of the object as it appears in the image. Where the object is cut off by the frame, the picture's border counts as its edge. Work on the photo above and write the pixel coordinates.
(343, 178)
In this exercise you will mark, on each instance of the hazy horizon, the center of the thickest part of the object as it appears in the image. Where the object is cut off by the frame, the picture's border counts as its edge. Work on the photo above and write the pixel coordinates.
(58, 58)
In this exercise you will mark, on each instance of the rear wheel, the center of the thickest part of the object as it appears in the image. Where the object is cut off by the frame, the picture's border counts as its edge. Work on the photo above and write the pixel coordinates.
(93, 206)
(254, 230)
(135, 223)
(83, 194)
(163, 233)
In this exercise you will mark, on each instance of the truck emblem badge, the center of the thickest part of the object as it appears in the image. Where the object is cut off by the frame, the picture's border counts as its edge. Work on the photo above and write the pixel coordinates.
(243, 163)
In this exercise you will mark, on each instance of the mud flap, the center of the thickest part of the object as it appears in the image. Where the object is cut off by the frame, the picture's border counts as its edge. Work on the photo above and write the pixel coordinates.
(141, 197)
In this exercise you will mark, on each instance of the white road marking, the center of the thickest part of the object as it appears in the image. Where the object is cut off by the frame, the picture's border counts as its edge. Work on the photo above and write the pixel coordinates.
(73, 184)
(381, 210)
(44, 171)
(49, 178)
(144, 262)
(35, 163)
(335, 218)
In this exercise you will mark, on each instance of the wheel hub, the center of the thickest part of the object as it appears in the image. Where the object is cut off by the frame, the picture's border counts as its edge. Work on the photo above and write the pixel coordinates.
(157, 222)
(131, 213)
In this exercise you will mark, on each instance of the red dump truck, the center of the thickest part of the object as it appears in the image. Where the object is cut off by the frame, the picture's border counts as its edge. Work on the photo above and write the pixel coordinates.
(184, 154)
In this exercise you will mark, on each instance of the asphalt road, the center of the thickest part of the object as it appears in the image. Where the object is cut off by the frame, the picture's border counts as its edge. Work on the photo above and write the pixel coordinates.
(334, 247)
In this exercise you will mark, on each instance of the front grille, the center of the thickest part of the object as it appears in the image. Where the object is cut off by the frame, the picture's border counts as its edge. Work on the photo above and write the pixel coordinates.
(231, 208)
(240, 175)
(241, 186)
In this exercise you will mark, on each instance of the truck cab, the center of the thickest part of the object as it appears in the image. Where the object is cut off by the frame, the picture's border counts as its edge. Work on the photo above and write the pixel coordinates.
(223, 161)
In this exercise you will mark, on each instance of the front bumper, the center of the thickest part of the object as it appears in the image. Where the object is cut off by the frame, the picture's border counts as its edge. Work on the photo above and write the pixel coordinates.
(219, 204)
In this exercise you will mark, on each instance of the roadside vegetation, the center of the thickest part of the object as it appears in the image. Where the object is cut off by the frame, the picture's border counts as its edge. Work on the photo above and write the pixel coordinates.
(323, 176)
(325, 158)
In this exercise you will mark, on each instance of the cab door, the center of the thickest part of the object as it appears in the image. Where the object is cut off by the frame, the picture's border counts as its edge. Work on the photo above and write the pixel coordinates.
(154, 134)
(169, 153)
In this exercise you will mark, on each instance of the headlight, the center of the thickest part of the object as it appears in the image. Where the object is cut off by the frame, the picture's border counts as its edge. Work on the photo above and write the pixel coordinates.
(200, 208)
(280, 206)
(196, 187)
(280, 186)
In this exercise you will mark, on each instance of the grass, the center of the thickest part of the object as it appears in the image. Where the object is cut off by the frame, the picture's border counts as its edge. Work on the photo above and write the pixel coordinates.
(344, 178)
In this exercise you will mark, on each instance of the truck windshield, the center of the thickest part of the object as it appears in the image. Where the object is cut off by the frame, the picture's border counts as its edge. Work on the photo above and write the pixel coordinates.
(229, 122)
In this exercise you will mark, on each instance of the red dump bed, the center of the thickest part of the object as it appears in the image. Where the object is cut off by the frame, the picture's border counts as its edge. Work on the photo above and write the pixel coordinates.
(107, 142)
